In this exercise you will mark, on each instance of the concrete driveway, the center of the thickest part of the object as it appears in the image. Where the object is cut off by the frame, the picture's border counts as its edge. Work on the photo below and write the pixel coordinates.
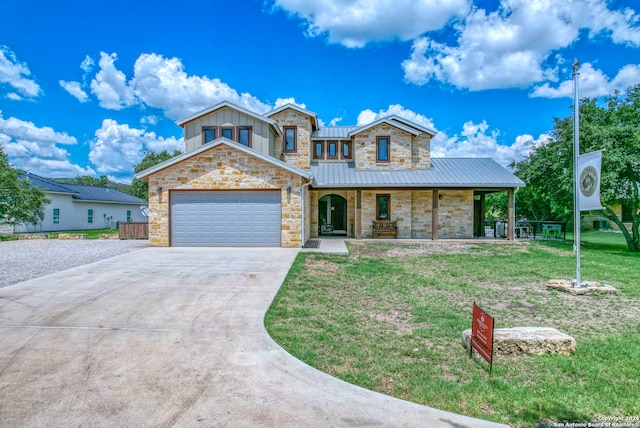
(165, 337)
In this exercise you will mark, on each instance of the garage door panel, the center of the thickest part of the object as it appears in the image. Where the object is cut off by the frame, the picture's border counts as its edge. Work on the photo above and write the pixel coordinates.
(250, 218)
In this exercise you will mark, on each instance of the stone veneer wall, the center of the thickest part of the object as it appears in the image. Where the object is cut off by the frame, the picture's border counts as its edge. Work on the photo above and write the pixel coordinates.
(224, 168)
(301, 159)
(412, 210)
(364, 148)
(421, 151)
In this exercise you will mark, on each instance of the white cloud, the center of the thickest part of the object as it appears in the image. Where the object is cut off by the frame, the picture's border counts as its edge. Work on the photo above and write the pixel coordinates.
(514, 46)
(475, 139)
(354, 23)
(116, 148)
(16, 74)
(335, 121)
(593, 83)
(87, 64)
(110, 84)
(291, 100)
(149, 120)
(74, 89)
(368, 116)
(37, 149)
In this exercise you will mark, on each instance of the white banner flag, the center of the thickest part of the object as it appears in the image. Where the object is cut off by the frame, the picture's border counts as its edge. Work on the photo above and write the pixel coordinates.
(589, 181)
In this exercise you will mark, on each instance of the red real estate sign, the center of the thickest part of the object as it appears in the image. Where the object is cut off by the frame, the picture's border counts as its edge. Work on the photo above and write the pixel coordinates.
(482, 333)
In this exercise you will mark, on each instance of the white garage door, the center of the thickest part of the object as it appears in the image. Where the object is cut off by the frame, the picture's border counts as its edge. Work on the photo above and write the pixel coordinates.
(225, 219)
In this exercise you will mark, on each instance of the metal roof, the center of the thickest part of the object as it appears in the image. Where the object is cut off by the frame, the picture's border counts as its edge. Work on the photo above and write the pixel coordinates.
(81, 192)
(215, 143)
(472, 173)
(333, 133)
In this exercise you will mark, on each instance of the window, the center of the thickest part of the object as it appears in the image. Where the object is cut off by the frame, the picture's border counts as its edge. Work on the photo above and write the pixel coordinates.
(226, 132)
(90, 216)
(318, 150)
(56, 215)
(332, 150)
(382, 150)
(290, 139)
(244, 135)
(128, 216)
(208, 134)
(346, 150)
(382, 207)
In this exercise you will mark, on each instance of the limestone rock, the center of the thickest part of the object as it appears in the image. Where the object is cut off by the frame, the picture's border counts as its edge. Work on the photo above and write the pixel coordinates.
(587, 287)
(527, 341)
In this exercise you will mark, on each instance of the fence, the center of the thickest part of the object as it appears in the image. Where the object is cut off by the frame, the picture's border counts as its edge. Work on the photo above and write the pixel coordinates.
(133, 230)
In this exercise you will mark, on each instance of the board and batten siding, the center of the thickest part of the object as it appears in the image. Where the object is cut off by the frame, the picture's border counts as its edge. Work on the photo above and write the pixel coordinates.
(262, 138)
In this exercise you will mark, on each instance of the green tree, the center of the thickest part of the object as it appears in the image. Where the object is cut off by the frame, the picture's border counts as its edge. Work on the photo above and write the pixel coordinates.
(20, 202)
(612, 126)
(140, 188)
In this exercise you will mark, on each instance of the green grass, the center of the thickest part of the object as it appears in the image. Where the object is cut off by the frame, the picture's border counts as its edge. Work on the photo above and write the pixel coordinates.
(389, 318)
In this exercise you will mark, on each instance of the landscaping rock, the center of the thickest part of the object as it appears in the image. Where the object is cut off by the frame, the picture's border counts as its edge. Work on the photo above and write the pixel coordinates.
(24, 236)
(72, 236)
(113, 236)
(520, 341)
(587, 287)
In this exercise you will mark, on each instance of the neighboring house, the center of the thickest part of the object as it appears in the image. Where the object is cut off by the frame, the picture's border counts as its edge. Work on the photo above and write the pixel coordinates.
(78, 207)
(277, 179)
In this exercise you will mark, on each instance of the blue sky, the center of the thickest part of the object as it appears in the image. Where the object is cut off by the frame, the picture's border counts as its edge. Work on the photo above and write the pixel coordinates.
(87, 86)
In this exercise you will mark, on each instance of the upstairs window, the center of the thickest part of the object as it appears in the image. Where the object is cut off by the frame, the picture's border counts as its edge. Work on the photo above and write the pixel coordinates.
(90, 216)
(346, 150)
(318, 150)
(382, 207)
(209, 134)
(244, 135)
(290, 139)
(56, 215)
(332, 150)
(226, 132)
(382, 149)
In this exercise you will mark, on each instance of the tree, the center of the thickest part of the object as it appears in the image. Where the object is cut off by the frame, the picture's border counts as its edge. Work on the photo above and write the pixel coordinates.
(140, 188)
(20, 202)
(613, 127)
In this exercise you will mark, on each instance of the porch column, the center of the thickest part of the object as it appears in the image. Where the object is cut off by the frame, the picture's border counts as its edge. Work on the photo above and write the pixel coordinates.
(511, 220)
(358, 214)
(434, 215)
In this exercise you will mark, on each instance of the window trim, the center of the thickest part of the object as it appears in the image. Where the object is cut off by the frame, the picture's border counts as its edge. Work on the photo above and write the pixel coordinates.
(128, 216)
(295, 139)
(250, 129)
(231, 128)
(329, 143)
(378, 138)
(204, 136)
(315, 143)
(90, 216)
(348, 144)
(56, 216)
(383, 195)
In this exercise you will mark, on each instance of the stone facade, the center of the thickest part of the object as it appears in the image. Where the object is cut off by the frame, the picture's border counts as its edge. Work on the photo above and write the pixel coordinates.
(412, 209)
(365, 148)
(301, 158)
(224, 168)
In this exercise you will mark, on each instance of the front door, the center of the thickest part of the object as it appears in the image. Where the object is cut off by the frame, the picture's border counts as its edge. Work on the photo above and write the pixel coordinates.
(332, 215)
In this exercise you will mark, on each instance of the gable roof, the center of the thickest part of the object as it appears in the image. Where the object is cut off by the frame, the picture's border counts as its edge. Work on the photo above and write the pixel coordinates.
(333, 133)
(388, 120)
(411, 124)
(81, 192)
(215, 143)
(296, 108)
(230, 105)
(469, 173)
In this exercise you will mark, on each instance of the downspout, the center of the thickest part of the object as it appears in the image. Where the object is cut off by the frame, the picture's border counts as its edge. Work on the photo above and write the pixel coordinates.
(302, 241)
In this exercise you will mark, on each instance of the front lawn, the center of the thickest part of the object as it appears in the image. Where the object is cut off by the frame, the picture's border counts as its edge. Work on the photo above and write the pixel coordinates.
(389, 318)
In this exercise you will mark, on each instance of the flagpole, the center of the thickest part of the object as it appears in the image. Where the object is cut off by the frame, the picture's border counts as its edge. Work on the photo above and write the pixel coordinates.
(576, 153)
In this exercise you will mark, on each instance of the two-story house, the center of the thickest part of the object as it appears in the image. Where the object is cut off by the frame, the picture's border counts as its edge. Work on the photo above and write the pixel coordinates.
(279, 178)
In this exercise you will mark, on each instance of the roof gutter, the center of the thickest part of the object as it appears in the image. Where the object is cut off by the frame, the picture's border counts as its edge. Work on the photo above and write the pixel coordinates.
(303, 206)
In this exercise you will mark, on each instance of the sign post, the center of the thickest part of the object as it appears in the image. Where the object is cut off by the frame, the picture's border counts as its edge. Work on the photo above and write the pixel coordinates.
(482, 334)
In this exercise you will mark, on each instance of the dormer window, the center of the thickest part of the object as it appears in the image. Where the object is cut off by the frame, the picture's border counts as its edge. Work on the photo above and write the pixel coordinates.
(318, 150)
(244, 135)
(290, 139)
(209, 134)
(332, 150)
(227, 132)
(382, 149)
(346, 150)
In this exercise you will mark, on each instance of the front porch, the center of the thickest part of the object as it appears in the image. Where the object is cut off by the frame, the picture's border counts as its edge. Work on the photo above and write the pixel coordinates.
(431, 214)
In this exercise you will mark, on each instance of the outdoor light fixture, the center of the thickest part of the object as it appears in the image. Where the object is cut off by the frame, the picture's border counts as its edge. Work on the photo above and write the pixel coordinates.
(159, 191)
(440, 196)
(289, 190)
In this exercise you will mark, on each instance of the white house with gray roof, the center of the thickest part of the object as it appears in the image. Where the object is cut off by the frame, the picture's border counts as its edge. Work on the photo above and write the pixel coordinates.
(279, 178)
(79, 207)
